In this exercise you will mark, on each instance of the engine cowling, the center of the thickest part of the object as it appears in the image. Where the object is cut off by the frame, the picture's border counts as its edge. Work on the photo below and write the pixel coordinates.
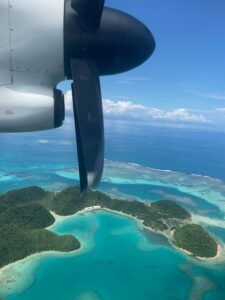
(22, 111)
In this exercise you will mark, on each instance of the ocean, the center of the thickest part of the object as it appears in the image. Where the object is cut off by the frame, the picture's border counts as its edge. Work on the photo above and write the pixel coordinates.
(118, 259)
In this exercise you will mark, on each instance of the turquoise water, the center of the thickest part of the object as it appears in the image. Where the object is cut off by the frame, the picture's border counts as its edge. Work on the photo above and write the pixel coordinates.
(118, 260)
(123, 263)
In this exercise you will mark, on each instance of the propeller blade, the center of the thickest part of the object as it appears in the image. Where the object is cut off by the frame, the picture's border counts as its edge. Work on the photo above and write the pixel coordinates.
(88, 115)
(89, 12)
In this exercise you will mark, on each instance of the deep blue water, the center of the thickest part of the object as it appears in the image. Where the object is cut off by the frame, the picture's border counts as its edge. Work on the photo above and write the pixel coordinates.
(184, 150)
(122, 261)
(179, 149)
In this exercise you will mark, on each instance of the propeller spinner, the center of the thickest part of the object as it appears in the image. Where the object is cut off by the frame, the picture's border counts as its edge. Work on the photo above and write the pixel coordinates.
(98, 41)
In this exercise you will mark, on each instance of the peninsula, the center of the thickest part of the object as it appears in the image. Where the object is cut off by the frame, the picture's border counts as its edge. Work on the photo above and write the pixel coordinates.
(25, 214)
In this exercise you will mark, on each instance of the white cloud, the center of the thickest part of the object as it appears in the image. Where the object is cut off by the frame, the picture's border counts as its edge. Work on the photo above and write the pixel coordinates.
(180, 114)
(130, 110)
(122, 108)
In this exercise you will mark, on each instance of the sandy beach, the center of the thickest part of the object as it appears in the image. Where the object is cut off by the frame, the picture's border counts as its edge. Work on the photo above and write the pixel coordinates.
(59, 218)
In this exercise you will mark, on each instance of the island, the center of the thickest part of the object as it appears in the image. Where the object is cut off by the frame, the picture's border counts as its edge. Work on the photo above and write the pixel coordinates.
(196, 240)
(26, 214)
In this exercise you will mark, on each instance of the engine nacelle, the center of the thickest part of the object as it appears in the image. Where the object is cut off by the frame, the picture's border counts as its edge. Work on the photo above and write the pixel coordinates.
(22, 111)
(31, 65)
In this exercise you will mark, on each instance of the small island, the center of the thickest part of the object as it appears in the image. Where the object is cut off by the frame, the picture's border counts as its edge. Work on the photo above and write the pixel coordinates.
(196, 240)
(26, 213)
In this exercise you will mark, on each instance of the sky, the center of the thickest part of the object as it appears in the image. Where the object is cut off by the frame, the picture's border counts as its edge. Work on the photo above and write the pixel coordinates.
(185, 77)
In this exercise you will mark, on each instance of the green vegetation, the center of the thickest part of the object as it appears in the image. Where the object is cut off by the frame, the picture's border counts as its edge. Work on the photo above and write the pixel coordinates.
(67, 202)
(25, 195)
(160, 215)
(32, 215)
(24, 215)
(195, 239)
(22, 226)
(18, 242)
(170, 209)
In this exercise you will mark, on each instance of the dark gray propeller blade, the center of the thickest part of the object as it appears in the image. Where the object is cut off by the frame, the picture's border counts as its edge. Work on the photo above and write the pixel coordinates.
(89, 12)
(98, 41)
(88, 115)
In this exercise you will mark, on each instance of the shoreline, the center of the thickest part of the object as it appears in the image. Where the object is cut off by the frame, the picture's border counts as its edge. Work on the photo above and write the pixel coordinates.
(218, 256)
(167, 234)
(59, 219)
(38, 255)
(30, 257)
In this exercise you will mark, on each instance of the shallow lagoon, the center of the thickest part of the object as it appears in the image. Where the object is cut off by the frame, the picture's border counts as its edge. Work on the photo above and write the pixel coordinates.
(119, 261)
(106, 270)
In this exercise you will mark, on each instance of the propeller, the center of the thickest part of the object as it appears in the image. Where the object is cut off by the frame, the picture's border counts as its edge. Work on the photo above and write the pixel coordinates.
(98, 41)
(89, 12)
(88, 114)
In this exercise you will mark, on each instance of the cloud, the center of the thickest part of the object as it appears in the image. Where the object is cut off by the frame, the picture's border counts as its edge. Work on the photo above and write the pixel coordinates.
(128, 109)
(118, 108)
